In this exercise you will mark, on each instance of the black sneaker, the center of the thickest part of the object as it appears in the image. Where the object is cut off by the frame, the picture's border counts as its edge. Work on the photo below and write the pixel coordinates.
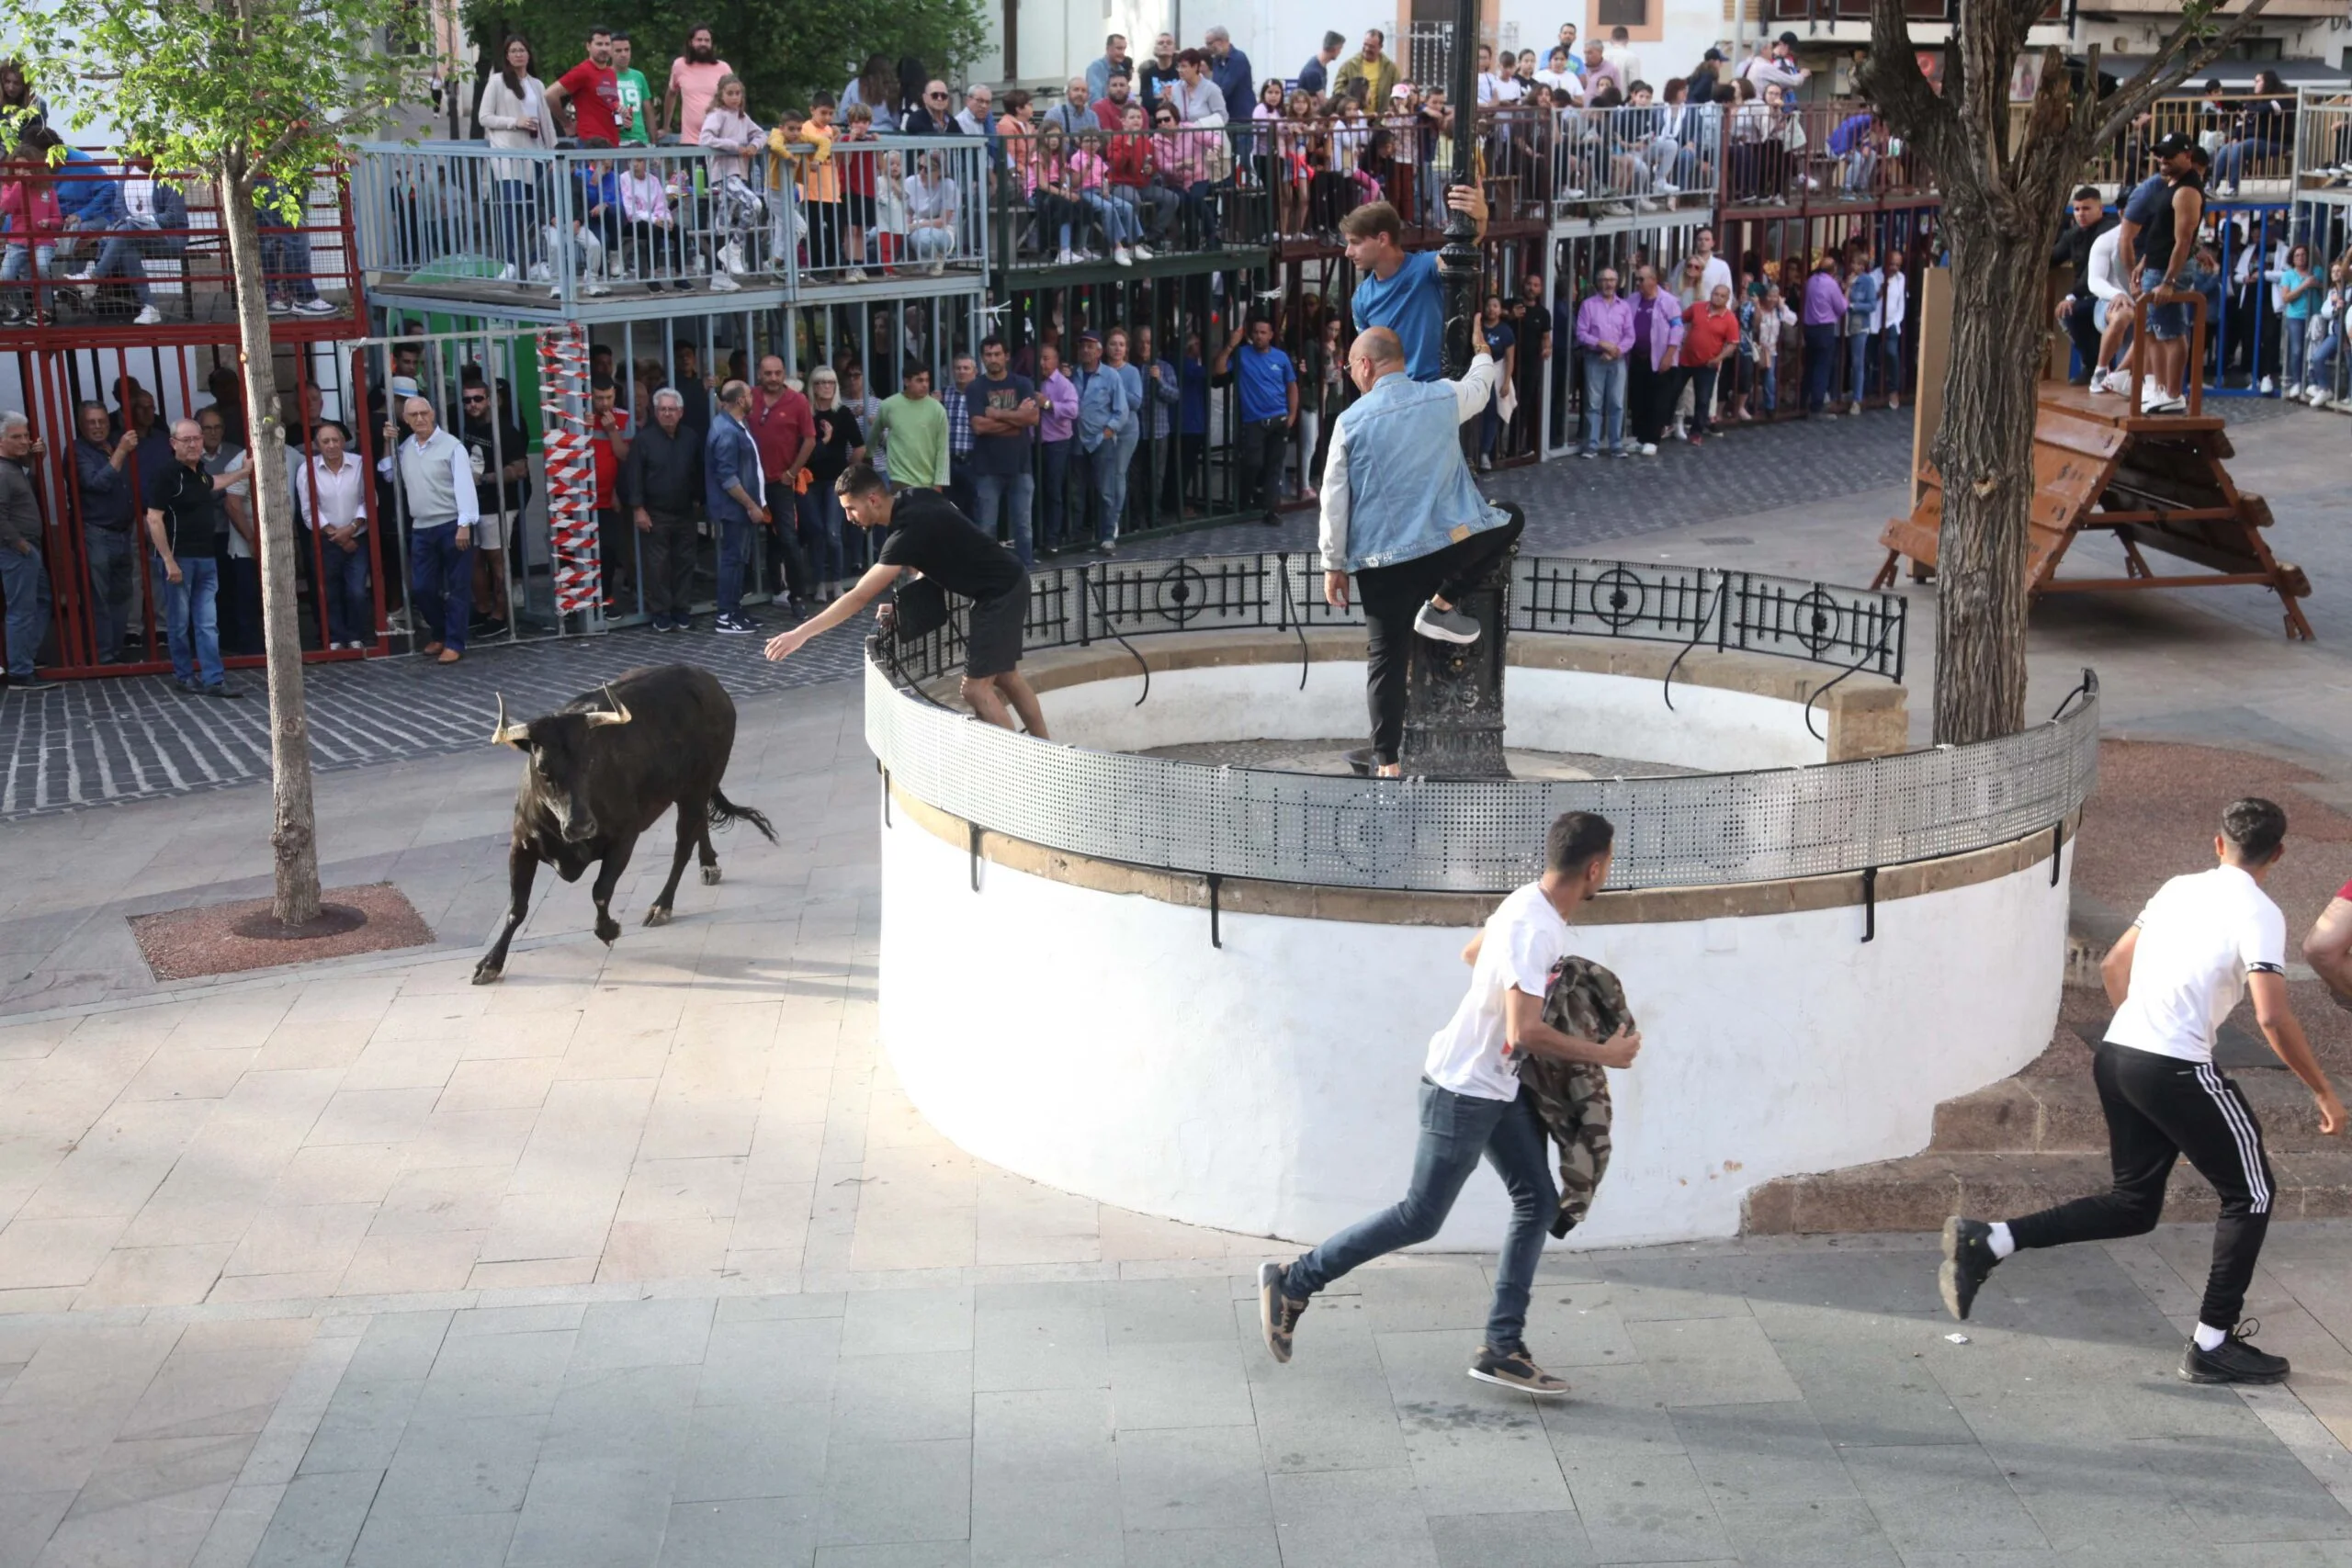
(735, 626)
(1278, 1312)
(1514, 1368)
(222, 690)
(1967, 1260)
(32, 683)
(2234, 1360)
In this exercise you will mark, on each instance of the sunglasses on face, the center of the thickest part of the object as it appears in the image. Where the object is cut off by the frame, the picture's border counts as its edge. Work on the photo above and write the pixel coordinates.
(473, 397)
(936, 96)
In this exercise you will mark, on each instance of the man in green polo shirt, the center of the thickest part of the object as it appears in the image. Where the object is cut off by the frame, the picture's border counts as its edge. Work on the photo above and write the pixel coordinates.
(914, 426)
(634, 94)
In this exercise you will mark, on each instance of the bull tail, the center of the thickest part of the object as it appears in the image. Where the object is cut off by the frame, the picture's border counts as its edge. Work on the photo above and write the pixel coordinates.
(725, 813)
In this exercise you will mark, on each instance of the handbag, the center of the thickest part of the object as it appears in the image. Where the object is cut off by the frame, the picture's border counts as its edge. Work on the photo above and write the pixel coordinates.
(917, 608)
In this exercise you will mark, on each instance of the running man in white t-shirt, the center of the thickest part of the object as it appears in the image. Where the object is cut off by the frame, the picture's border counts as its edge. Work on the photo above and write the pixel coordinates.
(1473, 1104)
(2203, 942)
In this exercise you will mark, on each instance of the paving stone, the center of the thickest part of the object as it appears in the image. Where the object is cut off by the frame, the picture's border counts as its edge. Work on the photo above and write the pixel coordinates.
(362, 1425)
(593, 1511)
(1927, 1498)
(1182, 1384)
(1206, 1478)
(882, 1493)
(1047, 1336)
(1805, 1532)
(911, 1398)
(505, 1375)
(753, 1451)
(1652, 1512)
(1755, 1452)
(1350, 1518)
(747, 1532)
(406, 1538)
(1258, 1548)
(481, 1465)
(1710, 1361)
(642, 1334)
(1553, 1538)
(318, 1520)
(771, 1361)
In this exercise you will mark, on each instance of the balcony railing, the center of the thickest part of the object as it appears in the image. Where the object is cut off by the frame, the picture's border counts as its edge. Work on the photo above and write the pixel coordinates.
(1824, 12)
(571, 226)
(2252, 139)
(1815, 154)
(1067, 200)
(2324, 138)
(123, 246)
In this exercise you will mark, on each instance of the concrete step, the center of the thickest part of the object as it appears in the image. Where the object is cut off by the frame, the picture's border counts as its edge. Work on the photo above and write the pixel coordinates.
(1918, 1192)
(2060, 1114)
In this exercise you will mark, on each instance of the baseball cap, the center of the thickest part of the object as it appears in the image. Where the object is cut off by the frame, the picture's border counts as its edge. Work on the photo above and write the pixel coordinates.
(1715, 54)
(1089, 335)
(2173, 144)
(1789, 39)
(1402, 89)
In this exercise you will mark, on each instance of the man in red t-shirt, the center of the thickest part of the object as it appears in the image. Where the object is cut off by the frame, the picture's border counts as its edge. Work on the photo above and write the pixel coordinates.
(608, 449)
(785, 430)
(593, 90)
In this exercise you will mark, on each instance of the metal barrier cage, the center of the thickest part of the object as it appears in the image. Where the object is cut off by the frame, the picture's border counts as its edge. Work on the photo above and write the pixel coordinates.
(1696, 607)
(2323, 139)
(133, 247)
(1781, 153)
(512, 227)
(1568, 162)
(1485, 836)
(2252, 139)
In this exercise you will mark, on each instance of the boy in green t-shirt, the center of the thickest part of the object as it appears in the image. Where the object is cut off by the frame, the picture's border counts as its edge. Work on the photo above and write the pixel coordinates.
(913, 426)
(634, 91)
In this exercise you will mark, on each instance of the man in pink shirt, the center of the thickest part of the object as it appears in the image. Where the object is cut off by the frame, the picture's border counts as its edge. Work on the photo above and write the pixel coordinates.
(1057, 435)
(693, 84)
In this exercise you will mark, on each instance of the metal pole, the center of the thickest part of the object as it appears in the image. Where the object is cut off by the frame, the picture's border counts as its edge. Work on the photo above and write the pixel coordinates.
(1457, 261)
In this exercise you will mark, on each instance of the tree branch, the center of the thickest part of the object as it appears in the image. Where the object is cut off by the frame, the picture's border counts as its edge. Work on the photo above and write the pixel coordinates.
(1891, 78)
(2157, 77)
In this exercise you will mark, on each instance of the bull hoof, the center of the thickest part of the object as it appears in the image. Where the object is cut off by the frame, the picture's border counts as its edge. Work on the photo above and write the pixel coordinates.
(657, 916)
(486, 974)
(608, 930)
(710, 875)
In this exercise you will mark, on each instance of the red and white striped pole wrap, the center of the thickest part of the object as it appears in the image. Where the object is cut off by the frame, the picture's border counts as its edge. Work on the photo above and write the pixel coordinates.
(571, 484)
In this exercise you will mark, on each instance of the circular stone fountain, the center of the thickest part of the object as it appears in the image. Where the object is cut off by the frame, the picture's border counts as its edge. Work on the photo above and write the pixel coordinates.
(1177, 960)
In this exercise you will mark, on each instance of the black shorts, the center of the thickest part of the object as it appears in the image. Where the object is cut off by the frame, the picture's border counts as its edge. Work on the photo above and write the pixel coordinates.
(858, 208)
(992, 632)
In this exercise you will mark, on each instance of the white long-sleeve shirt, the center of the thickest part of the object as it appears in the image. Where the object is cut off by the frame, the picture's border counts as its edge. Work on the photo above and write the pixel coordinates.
(341, 501)
(2108, 279)
(1471, 396)
(1894, 299)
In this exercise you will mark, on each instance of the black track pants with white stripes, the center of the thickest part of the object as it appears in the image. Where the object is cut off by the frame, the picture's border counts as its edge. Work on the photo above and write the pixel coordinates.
(2159, 1107)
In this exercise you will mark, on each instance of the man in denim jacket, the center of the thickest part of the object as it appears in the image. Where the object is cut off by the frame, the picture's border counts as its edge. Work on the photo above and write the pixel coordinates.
(1400, 512)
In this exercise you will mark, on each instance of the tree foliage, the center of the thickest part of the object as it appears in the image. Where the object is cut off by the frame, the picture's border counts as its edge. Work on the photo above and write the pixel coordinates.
(782, 49)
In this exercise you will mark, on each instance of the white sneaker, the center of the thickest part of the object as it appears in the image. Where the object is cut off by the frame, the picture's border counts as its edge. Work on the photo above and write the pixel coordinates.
(1140, 251)
(2150, 393)
(1647, 448)
(1123, 257)
(1664, 188)
(1065, 258)
(1854, 408)
(938, 269)
(2267, 385)
(506, 274)
(148, 316)
(731, 258)
(855, 274)
(88, 274)
(540, 272)
(2175, 404)
(722, 284)
(2318, 397)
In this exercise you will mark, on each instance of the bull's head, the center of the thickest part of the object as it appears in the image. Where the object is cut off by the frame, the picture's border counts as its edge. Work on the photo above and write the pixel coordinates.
(559, 749)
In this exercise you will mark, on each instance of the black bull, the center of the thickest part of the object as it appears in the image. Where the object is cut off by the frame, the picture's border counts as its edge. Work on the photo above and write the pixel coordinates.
(604, 768)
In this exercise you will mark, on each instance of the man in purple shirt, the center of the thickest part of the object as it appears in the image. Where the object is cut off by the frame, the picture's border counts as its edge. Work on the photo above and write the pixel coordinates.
(1057, 434)
(1824, 308)
(1650, 381)
(1605, 334)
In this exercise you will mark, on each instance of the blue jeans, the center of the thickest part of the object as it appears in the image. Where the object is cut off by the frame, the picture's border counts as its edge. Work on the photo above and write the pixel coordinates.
(285, 252)
(734, 554)
(351, 610)
(1604, 403)
(1857, 364)
(1820, 359)
(2294, 343)
(1111, 460)
(113, 560)
(25, 582)
(1053, 460)
(1021, 490)
(441, 584)
(818, 511)
(192, 620)
(119, 256)
(1767, 386)
(1456, 1129)
(1890, 353)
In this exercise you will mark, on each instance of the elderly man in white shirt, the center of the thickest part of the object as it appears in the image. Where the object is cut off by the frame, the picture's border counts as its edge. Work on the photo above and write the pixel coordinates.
(1886, 324)
(330, 491)
(435, 481)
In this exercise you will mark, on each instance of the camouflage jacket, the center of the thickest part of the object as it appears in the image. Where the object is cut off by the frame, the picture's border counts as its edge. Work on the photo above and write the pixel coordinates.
(1583, 999)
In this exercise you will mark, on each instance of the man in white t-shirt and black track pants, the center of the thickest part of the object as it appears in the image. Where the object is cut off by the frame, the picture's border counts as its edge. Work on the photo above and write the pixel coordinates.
(2203, 942)
(1473, 1104)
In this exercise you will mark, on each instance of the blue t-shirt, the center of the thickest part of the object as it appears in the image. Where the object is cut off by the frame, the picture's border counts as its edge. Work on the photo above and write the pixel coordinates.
(1193, 399)
(1499, 337)
(1412, 305)
(999, 457)
(1264, 375)
(2298, 309)
(2143, 206)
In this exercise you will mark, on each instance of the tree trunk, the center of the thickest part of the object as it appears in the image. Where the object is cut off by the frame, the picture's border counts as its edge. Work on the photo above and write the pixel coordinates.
(1983, 450)
(294, 833)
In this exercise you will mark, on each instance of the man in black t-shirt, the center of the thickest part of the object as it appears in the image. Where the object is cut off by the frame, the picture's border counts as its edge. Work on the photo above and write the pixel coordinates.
(184, 521)
(927, 534)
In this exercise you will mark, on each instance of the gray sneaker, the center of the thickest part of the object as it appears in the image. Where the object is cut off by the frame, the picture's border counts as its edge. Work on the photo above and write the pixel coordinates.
(1278, 1312)
(1445, 626)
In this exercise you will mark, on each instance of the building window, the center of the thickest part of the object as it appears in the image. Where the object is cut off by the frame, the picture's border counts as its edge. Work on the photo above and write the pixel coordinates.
(1623, 13)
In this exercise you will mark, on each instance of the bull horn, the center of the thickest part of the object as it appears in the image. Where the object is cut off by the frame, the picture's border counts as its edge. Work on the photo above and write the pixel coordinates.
(508, 734)
(619, 715)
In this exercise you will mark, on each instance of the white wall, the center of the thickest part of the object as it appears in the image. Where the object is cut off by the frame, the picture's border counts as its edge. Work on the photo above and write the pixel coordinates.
(1548, 710)
(1098, 1042)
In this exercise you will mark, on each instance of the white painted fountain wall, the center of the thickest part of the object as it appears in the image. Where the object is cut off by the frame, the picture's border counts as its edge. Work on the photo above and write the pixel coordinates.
(1096, 1041)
